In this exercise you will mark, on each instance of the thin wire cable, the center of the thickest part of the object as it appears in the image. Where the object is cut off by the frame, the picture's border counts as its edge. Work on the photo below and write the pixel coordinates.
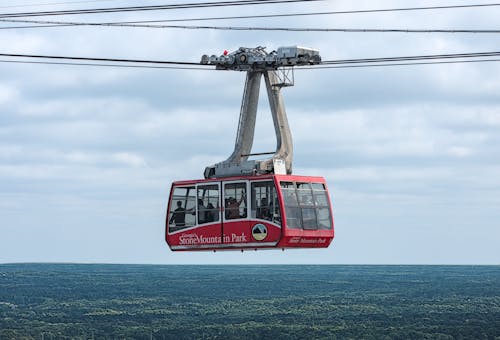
(310, 14)
(34, 56)
(412, 58)
(57, 3)
(106, 65)
(399, 64)
(319, 13)
(345, 30)
(32, 26)
(153, 8)
(45, 23)
(211, 69)
(324, 63)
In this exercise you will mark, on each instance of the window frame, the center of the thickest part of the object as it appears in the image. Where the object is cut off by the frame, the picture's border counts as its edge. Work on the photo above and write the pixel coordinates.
(240, 209)
(273, 205)
(172, 226)
(306, 214)
(216, 209)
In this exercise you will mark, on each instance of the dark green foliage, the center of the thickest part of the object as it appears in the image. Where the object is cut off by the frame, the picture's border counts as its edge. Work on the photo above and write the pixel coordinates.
(65, 301)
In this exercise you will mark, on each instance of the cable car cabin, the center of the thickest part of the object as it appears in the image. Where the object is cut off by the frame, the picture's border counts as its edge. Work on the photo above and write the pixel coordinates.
(266, 211)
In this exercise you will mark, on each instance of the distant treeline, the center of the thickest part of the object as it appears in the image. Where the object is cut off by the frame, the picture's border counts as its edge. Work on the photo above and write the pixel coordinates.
(65, 301)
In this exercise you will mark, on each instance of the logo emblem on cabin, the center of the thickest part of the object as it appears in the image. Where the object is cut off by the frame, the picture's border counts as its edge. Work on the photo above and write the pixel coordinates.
(259, 232)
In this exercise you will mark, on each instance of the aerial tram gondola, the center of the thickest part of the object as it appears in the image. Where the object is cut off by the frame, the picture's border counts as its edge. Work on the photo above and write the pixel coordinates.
(253, 204)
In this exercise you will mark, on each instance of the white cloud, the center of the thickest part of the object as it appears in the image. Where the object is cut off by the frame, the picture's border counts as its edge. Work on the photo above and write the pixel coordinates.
(23, 41)
(7, 94)
(460, 151)
(129, 159)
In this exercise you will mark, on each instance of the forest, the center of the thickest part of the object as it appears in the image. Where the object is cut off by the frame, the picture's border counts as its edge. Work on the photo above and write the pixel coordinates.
(94, 301)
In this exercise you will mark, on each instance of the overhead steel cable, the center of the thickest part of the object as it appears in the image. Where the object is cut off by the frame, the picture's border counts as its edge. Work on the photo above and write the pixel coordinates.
(308, 14)
(303, 29)
(107, 65)
(152, 7)
(57, 3)
(278, 15)
(263, 16)
(326, 63)
(407, 60)
(31, 26)
(44, 23)
(212, 69)
(412, 58)
(398, 64)
(139, 61)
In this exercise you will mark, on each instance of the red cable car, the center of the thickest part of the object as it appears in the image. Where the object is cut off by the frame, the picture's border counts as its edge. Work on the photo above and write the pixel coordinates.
(251, 212)
(251, 204)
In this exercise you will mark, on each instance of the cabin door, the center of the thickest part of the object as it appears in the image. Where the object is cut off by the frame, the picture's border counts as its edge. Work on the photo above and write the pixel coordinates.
(208, 213)
(235, 225)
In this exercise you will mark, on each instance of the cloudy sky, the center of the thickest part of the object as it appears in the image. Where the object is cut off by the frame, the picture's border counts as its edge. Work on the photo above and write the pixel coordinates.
(410, 153)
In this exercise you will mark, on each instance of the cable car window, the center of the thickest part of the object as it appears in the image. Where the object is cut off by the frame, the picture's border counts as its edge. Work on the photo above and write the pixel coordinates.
(292, 210)
(304, 192)
(307, 206)
(235, 201)
(265, 202)
(320, 197)
(322, 206)
(324, 219)
(208, 203)
(181, 208)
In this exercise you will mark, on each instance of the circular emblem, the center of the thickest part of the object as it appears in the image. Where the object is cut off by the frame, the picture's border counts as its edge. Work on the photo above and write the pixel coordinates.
(259, 232)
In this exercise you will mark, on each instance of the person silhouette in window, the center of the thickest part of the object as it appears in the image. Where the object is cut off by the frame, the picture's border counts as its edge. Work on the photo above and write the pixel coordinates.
(202, 212)
(233, 207)
(263, 210)
(179, 215)
(211, 213)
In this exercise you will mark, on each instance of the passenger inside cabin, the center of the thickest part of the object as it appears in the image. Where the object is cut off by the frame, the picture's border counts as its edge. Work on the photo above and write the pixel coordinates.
(202, 212)
(211, 213)
(233, 207)
(179, 215)
(263, 211)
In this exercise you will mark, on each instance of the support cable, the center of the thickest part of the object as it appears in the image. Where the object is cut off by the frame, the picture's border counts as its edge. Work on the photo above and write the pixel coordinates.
(341, 63)
(106, 65)
(213, 4)
(270, 15)
(398, 64)
(57, 3)
(281, 15)
(45, 23)
(100, 59)
(410, 58)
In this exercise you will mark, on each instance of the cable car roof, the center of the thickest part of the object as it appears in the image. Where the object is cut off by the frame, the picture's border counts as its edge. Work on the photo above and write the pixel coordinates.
(291, 178)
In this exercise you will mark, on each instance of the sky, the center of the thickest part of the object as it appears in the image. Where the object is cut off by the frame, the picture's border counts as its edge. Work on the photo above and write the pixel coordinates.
(410, 153)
